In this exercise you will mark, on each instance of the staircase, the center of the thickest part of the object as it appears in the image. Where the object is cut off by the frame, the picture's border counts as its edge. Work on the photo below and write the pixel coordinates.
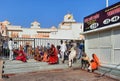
(13, 67)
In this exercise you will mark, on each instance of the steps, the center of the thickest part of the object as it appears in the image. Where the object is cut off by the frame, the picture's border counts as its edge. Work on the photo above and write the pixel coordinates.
(12, 67)
(113, 72)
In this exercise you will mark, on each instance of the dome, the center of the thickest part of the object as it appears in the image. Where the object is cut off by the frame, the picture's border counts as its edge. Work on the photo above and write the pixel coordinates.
(53, 27)
(6, 22)
(35, 23)
(69, 18)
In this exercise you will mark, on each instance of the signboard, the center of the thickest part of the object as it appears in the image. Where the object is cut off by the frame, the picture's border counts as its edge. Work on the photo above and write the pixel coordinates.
(107, 16)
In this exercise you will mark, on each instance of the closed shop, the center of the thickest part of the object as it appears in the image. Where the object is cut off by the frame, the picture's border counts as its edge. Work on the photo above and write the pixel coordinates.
(102, 35)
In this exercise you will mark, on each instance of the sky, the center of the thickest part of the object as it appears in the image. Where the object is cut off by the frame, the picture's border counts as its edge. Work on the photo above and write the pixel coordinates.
(48, 12)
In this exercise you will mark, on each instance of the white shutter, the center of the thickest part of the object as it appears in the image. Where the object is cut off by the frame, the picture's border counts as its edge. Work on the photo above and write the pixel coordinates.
(93, 41)
(105, 46)
(116, 43)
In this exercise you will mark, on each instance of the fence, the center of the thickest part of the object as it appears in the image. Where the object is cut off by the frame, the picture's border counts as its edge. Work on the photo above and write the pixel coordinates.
(34, 42)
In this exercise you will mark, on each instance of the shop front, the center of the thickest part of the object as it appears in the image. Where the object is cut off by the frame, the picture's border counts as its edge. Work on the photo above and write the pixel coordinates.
(102, 35)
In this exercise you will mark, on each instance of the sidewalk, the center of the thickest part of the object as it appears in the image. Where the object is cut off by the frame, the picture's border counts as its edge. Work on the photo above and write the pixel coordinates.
(71, 74)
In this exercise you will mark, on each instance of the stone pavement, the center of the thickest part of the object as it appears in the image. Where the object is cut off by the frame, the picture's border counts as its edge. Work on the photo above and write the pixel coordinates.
(71, 74)
(1, 80)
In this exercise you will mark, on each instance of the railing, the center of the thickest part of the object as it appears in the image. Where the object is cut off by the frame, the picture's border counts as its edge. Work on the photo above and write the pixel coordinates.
(33, 42)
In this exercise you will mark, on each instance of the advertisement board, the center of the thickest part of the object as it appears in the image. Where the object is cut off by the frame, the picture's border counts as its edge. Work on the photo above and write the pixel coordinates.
(105, 17)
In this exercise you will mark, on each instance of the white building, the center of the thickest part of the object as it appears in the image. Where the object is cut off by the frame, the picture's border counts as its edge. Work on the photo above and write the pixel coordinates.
(102, 37)
(68, 29)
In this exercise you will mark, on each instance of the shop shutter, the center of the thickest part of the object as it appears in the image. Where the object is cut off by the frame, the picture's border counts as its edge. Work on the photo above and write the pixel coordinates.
(93, 41)
(116, 46)
(105, 46)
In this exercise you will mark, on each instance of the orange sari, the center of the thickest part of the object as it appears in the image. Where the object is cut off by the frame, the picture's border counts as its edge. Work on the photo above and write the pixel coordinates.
(95, 62)
(45, 57)
(37, 55)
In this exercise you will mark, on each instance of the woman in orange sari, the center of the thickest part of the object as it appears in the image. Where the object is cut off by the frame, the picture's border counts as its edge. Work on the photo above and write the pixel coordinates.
(94, 64)
(45, 56)
(37, 55)
(53, 56)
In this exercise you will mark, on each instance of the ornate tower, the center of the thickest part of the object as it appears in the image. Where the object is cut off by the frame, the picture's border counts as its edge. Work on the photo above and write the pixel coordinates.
(35, 24)
(67, 22)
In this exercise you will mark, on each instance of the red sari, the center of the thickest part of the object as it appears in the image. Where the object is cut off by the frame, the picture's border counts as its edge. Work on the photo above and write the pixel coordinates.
(53, 57)
(21, 56)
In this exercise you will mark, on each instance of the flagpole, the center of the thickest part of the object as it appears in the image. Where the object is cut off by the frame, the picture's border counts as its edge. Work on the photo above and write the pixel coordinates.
(106, 3)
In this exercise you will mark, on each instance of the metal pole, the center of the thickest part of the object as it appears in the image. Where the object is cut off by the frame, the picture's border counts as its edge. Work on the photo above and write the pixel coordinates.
(107, 3)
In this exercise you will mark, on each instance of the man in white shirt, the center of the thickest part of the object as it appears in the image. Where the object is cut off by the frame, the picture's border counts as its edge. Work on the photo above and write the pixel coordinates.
(11, 46)
(63, 48)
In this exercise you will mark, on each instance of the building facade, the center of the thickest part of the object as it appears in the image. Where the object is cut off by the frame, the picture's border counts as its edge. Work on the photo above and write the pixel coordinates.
(69, 26)
(68, 29)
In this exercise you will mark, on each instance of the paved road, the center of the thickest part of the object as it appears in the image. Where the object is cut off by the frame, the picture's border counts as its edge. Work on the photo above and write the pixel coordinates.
(59, 75)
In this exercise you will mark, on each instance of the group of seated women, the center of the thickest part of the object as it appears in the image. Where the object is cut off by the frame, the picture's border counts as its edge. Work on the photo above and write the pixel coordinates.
(51, 57)
(48, 55)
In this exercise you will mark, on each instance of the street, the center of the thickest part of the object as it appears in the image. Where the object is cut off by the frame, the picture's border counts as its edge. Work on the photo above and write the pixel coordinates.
(71, 74)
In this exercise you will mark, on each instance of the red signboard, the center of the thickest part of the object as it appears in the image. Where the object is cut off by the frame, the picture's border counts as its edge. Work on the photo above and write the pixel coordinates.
(107, 16)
